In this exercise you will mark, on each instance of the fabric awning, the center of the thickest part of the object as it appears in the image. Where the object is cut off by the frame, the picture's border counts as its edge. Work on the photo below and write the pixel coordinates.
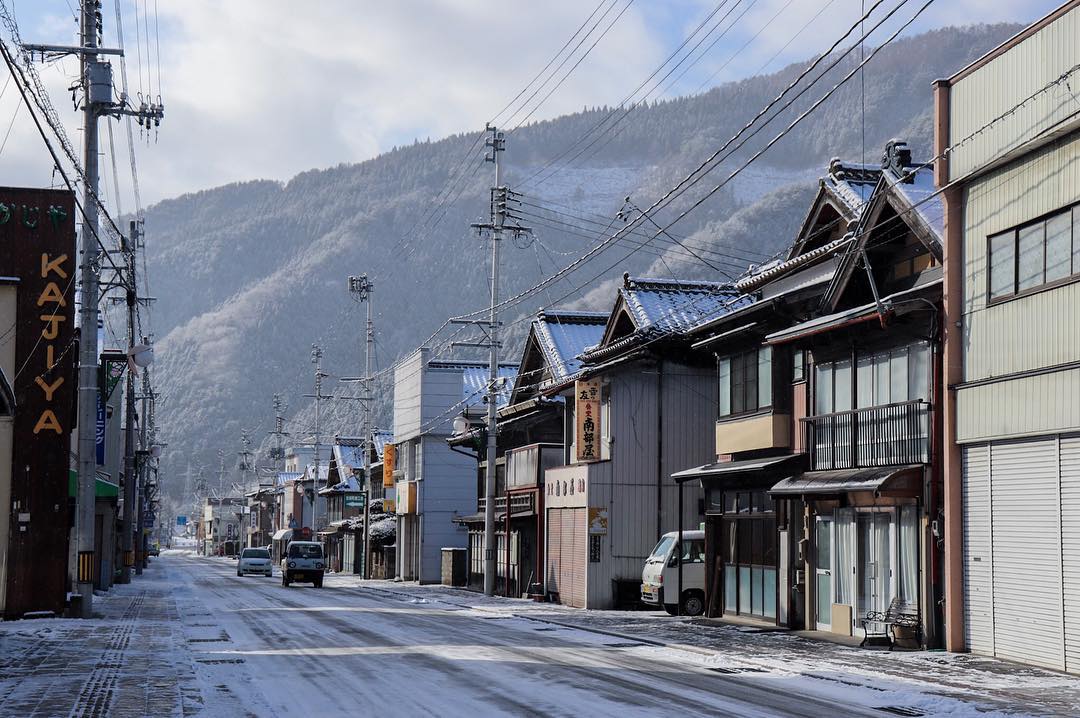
(281, 533)
(731, 469)
(898, 480)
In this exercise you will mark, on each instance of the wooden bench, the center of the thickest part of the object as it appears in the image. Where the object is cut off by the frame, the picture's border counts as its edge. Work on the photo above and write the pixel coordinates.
(881, 627)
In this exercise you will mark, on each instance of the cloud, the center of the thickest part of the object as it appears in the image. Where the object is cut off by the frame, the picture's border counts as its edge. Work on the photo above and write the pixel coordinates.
(267, 89)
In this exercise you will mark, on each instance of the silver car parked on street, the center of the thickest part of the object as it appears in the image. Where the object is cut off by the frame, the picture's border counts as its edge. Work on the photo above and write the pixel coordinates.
(254, 560)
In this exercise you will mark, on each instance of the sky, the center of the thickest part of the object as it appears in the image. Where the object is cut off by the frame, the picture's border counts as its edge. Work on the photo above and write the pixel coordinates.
(265, 89)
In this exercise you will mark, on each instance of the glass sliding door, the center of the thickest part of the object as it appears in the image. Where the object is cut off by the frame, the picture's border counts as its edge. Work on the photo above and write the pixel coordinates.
(748, 538)
(824, 578)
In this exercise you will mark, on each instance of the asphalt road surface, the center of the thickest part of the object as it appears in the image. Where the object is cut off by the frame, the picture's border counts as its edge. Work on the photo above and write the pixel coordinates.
(267, 650)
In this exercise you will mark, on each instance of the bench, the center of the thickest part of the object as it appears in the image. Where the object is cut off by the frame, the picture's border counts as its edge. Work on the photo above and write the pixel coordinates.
(881, 627)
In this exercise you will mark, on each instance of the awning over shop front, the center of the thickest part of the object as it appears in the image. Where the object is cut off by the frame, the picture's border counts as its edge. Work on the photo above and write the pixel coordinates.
(282, 533)
(891, 480)
(714, 473)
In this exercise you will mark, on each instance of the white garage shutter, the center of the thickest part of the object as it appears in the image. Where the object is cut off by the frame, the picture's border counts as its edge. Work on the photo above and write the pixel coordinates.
(566, 555)
(1070, 547)
(978, 559)
(1025, 519)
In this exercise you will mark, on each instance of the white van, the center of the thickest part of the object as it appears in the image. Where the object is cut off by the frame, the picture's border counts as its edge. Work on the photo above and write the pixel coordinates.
(662, 572)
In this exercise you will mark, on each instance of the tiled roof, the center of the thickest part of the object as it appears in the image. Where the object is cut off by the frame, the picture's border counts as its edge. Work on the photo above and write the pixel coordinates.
(285, 477)
(669, 305)
(563, 336)
(474, 380)
(851, 183)
(921, 189)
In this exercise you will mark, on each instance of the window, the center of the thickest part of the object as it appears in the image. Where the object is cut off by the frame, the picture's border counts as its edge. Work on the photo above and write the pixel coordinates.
(745, 382)
(798, 366)
(1035, 254)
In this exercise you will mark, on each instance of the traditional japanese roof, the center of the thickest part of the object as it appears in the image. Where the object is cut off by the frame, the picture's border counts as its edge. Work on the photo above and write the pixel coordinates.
(380, 439)
(350, 483)
(348, 453)
(563, 336)
(285, 477)
(915, 187)
(475, 378)
(647, 309)
(843, 194)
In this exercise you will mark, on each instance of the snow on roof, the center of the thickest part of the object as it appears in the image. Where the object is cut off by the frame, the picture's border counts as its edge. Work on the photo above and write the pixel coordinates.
(381, 439)
(348, 454)
(324, 472)
(350, 483)
(475, 379)
(563, 336)
(285, 477)
(916, 185)
(671, 305)
(852, 183)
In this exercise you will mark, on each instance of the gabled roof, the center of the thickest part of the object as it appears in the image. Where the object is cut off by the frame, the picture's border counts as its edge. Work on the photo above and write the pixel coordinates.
(908, 189)
(647, 309)
(842, 196)
(550, 356)
(285, 477)
(475, 378)
(349, 483)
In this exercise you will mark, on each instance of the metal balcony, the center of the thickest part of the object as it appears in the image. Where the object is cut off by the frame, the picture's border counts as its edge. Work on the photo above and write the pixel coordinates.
(887, 435)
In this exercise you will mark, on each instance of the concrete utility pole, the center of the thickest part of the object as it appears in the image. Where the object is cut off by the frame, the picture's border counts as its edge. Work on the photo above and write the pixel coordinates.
(363, 288)
(95, 79)
(127, 520)
(277, 451)
(316, 359)
(500, 199)
(88, 340)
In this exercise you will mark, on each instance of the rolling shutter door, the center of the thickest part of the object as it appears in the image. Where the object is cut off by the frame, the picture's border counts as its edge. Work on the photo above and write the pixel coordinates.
(577, 562)
(1070, 547)
(978, 559)
(554, 550)
(1027, 552)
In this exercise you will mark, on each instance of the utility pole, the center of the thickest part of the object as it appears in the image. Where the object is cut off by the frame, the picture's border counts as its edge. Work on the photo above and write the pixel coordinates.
(89, 395)
(127, 524)
(363, 288)
(95, 79)
(146, 429)
(277, 451)
(501, 197)
(316, 359)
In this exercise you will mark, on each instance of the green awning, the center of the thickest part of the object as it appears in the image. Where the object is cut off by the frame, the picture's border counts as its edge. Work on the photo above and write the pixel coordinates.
(102, 489)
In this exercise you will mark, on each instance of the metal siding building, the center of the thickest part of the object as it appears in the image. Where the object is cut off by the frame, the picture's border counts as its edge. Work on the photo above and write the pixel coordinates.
(650, 417)
(1018, 403)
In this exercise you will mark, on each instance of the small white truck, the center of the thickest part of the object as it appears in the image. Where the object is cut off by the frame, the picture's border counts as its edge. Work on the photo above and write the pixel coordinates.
(304, 562)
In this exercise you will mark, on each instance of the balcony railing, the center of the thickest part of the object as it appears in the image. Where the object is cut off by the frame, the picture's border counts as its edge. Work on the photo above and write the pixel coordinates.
(519, 503)
(888, 435)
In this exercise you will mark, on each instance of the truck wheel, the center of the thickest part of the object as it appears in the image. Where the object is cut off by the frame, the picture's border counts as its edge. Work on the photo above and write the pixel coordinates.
(693, 603)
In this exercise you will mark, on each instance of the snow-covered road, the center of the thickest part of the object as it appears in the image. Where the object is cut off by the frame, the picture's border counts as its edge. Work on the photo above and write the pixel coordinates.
(307, 651)
(190, 638)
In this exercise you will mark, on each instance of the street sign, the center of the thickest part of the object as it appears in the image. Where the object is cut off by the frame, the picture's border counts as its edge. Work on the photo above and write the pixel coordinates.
(181, 520)
(355, 500)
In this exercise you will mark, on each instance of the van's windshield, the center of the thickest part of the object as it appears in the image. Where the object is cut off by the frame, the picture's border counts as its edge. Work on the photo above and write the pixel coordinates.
(662, 548)
(305, 550)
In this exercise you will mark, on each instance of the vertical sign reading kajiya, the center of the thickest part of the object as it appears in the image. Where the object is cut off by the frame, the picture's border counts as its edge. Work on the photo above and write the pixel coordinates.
(587, 419)
(37, 251)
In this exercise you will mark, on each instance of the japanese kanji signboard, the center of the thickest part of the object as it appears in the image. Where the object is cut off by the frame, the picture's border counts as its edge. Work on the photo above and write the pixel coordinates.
(587, 419)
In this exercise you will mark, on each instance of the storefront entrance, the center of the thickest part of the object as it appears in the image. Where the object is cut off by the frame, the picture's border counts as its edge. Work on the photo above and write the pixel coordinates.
(865, 558)
(748, 543)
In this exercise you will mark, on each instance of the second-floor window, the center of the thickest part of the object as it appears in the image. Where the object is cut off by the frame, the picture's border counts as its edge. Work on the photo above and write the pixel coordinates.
(745, 382)
(1034, 254)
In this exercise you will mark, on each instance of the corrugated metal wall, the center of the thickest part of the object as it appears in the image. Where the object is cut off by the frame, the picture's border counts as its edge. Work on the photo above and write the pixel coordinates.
(994, 88)
(1031, 332)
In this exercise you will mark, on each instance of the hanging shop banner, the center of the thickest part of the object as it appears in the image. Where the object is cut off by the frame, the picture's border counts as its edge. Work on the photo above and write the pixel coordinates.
(99, 431)
(587, 420)
(113, 365)
(389, 464)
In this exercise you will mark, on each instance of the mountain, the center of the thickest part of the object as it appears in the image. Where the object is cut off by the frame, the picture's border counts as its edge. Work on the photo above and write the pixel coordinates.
(249, 275)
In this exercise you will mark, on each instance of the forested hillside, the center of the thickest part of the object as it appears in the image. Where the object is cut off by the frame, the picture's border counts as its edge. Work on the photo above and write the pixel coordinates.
(251, 274)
